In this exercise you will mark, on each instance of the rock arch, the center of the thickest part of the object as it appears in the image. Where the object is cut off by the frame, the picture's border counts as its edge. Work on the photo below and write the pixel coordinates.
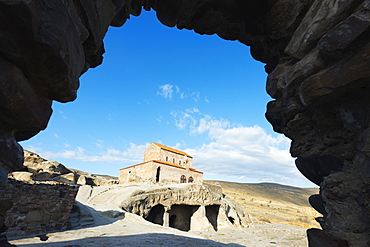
(317, 60)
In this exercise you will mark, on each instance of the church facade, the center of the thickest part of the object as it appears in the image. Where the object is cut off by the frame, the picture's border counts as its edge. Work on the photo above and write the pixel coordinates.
(162, 164)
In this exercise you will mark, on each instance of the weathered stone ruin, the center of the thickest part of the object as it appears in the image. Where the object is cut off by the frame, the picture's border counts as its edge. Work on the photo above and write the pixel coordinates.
(317, 58)
(187, 207)
(37, 207)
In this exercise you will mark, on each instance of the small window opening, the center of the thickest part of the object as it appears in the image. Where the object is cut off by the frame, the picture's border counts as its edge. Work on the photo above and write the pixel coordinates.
(166, 158)
(182, 179)
(158, 174)
(180, 162)
(191, 179)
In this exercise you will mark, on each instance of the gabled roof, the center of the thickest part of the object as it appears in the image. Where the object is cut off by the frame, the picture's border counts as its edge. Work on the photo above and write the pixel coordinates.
(172, 149)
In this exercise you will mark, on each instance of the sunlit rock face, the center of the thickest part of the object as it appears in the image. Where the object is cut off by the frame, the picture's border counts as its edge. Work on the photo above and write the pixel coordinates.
(317, 55)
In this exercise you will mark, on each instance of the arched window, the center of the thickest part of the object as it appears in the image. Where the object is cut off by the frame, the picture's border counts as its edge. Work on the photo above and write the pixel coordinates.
(166, 158)
(182, 179)
(180, 162)
(191, 179)
(173, 161)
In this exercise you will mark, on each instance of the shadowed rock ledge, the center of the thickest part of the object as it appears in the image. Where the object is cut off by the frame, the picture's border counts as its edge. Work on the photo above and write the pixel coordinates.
(317, 58)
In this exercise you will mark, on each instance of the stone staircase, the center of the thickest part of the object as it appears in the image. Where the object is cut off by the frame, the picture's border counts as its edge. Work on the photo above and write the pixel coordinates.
(104, 198)
(80, 216)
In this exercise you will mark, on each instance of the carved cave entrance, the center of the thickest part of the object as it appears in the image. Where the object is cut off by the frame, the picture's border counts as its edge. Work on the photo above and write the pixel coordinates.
(180, 216)
(212, 212)
(156, 215)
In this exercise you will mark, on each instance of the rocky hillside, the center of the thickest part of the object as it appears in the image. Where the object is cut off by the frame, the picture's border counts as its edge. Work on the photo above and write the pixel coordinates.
(274, 202)
(37, 168)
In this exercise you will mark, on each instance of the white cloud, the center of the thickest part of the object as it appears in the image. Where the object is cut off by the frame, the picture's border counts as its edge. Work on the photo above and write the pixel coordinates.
(99, 143)
(183, 119)
(181, 94)
(197, 122)
(195, 96)
(166, 91)
(246, 154)
(169, 91)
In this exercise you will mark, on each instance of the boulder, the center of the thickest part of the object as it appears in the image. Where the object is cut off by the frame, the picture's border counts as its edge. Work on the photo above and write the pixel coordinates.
(35, 164)
(22, 176)
(69, 178)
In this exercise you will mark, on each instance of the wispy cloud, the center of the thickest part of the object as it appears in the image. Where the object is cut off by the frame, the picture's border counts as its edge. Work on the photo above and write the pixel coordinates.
(198, 122)
(166, 91)
(169, 91)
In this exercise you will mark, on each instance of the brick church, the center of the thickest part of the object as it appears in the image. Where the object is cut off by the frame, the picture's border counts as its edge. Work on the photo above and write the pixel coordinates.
(162, 165)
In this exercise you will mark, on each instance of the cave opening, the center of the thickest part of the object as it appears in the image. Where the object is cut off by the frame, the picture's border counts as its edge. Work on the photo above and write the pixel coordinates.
(212, 212)
(156, 214)
(232, 220)
(180, 216)
(187, 65)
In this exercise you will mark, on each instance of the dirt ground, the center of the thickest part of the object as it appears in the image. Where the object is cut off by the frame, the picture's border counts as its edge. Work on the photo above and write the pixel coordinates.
(132, 230)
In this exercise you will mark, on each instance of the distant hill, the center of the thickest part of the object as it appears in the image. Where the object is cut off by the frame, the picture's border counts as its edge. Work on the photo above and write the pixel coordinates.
(272, 202)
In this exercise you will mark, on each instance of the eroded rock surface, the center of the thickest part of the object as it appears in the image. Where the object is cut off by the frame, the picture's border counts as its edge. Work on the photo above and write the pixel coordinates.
(186, 207)
(40, 169)
(317, 59)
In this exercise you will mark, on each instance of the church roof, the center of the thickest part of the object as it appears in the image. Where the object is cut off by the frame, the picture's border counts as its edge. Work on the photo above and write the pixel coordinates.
(172, 149)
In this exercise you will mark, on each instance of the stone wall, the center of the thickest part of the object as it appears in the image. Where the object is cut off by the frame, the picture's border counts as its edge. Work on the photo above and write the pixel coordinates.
(37, 207)
(136, 173)
(154, 152)
(175, 158)
(167, 173)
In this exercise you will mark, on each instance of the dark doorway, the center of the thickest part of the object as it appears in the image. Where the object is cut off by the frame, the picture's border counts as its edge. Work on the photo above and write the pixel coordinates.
(212, 215)
(156, 215)
(180, 216)
(172, 220)
(158, 174)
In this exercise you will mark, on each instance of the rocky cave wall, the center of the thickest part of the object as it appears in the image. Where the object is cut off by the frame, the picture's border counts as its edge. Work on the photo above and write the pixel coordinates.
(186, 207)
(317, 58)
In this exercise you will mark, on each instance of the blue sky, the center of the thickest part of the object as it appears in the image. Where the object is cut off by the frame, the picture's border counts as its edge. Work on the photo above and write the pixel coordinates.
(196, 93)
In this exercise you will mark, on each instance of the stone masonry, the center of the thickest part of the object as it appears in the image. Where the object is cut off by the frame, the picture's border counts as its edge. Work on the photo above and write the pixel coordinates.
(38, 207)
(162, 165)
